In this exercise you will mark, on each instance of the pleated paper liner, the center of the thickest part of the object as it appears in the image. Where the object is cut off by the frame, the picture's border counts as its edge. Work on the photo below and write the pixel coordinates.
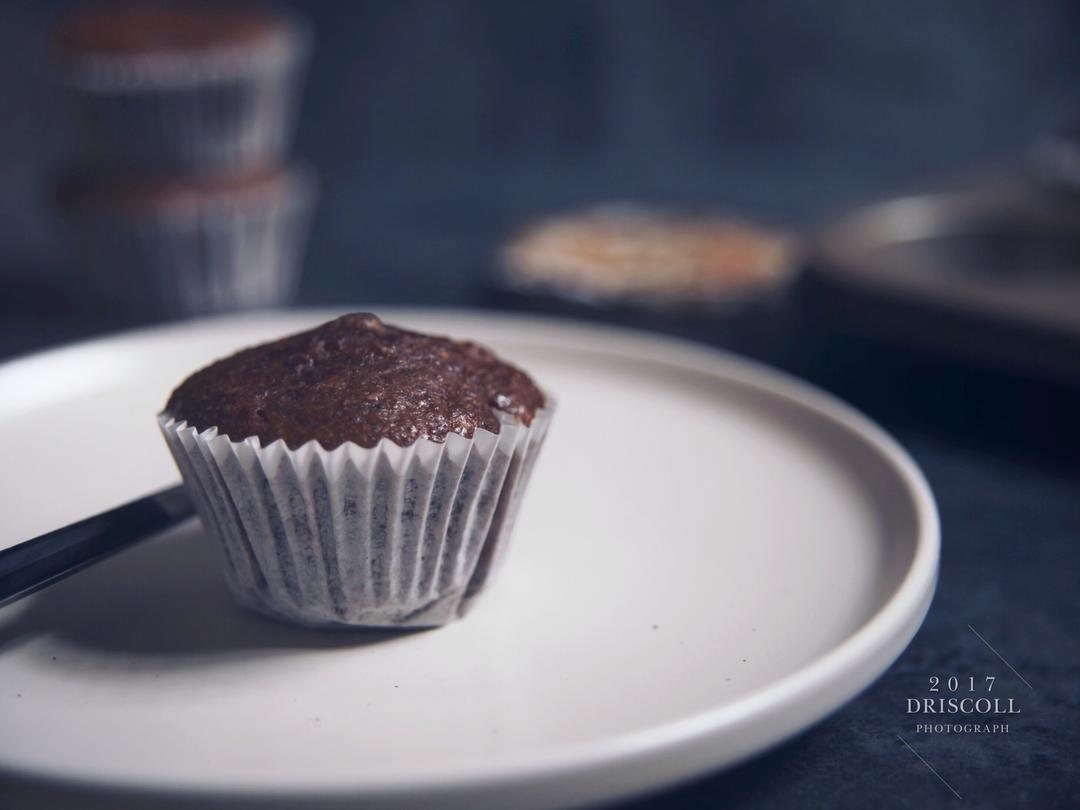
(386, 536)
(224, 254)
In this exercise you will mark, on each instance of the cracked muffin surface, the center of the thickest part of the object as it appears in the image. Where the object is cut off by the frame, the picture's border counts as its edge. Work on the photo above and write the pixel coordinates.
(356, 379)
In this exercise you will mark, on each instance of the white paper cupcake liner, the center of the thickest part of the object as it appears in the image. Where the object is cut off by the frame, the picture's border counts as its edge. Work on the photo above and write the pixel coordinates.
(221, 255)
(217, 112)
(387, 536)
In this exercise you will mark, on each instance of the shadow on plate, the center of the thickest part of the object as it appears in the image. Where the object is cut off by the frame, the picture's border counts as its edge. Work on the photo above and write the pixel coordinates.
(163, 601)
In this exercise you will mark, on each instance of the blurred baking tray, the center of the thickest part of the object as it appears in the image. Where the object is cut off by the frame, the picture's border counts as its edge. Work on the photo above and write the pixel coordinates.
(990, 271)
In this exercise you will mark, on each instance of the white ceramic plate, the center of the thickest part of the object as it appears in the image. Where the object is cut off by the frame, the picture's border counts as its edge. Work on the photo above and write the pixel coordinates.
(712, 556)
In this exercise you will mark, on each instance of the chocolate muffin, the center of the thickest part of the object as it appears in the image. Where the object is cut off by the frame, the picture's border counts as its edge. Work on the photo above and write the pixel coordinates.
(356, 379)
(194, 86)
(358, 474)
(173, 246)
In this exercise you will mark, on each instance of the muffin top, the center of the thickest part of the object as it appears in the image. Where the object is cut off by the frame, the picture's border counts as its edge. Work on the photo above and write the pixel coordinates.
(96, 192)
(355, 379)
(133, 29)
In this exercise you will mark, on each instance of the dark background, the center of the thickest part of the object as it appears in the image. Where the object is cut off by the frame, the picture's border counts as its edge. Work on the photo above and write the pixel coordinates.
(437, 126)
(455, 120)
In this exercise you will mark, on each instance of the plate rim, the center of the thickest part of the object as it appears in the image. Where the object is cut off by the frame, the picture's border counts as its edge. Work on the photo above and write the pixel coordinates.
(823, 684)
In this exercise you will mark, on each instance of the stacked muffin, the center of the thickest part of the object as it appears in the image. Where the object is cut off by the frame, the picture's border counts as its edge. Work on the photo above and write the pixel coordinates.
(181, 202)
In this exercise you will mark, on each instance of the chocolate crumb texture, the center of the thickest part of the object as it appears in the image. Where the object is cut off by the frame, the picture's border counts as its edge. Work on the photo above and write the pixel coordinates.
(356, 379)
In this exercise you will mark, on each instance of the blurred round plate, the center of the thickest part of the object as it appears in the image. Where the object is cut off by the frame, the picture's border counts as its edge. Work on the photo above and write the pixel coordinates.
(554, 298)
(712, 557)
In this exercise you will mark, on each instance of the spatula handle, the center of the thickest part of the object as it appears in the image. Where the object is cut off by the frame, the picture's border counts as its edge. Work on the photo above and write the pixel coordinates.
(50, 557)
